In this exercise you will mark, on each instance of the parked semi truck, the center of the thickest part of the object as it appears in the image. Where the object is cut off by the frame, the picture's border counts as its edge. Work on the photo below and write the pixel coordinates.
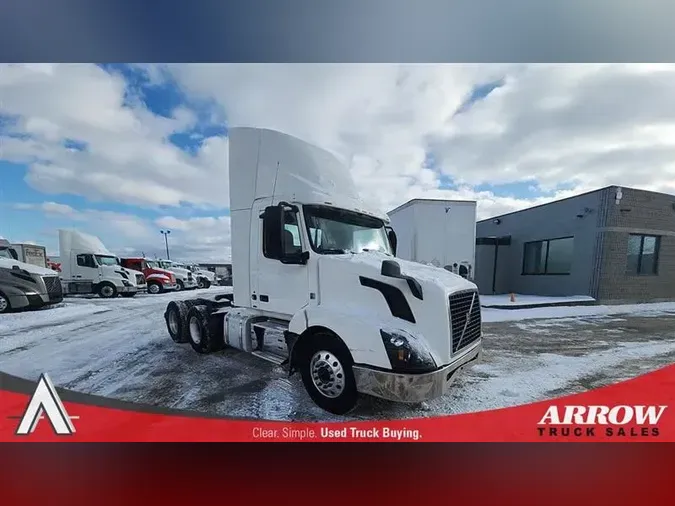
(184, 278)
(25, 285)
(87, 267)
(158, 280)
(31, 254)
(204, 278)
(317, 287)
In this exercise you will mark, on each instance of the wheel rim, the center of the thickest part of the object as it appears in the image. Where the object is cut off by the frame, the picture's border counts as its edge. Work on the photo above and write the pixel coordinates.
(328, 374)
(179, 287)
(107, 291)
(195, 330)
(153, 288)
(3, 304)
(173, 322)
(201, 284)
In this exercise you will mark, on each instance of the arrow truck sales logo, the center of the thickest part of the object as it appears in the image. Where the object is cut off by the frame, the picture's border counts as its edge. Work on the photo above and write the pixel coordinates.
(45, 401)
(610, 421)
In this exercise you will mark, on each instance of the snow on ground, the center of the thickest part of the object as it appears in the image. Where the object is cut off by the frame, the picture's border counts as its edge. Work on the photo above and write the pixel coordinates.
(530, 300)
(120, 348)
(503, 315)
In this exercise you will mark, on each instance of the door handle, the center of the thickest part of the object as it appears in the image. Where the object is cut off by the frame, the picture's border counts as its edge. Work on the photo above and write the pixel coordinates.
(264, 298)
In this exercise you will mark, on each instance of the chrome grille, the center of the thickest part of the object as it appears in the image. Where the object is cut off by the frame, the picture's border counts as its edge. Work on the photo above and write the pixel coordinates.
(465, 318)
(53, 285)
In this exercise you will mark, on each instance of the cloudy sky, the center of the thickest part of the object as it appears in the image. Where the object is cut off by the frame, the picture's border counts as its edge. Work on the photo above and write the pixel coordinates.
(123, 151)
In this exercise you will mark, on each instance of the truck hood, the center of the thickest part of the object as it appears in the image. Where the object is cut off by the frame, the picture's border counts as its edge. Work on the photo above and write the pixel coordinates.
(370, 264)
(180, 273)
(7, 263)
(352, 283)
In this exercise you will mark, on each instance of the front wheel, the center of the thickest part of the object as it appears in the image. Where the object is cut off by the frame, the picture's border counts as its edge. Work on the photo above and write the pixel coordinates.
(155, 288)
(5, 306)
(179, 286)
(327, 374)
(107, 291)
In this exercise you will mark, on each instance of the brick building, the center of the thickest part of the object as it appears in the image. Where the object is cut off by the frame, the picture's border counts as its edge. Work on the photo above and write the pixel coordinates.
(614, 244)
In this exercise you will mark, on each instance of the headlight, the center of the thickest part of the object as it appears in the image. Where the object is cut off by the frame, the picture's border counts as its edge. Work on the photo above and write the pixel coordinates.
(407, 354)
(125, 282)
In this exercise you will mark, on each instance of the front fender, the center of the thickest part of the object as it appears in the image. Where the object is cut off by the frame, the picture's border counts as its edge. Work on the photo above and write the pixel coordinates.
(360, 332)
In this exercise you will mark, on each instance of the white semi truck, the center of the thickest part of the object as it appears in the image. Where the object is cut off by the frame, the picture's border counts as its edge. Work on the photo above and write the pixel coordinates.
(185, 280)
(317, 286)
(25, 285)
(87, 267)
(31, 254)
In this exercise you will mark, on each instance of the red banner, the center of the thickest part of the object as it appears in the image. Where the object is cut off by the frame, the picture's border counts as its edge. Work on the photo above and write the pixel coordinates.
(640, 409)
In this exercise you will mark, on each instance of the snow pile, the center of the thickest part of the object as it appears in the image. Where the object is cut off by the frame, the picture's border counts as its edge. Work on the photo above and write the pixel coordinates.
(530, 300)
(503, 315)
(516, 381)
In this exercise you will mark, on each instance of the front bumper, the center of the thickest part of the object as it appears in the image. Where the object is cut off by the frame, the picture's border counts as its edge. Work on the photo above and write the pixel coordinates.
(189, 283)
(127, 289)
(413, 388)
(170, 286)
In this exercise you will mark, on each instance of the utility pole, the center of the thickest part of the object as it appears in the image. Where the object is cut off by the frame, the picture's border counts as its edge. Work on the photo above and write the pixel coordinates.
(166, 233)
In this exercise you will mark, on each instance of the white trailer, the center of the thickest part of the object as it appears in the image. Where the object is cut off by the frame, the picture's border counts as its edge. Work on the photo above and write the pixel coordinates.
(441, 233)
(87, 267)
(31, 254)
(317, 287)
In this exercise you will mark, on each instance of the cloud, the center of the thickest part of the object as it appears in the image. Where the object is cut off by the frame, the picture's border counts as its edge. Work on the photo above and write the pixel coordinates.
(405, 130)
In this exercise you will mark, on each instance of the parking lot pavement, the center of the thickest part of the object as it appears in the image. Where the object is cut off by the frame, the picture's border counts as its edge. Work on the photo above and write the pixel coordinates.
(120, 348)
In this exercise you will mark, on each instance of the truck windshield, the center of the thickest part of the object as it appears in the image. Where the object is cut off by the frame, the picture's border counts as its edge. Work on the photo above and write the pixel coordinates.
(337, 231)
(106, 260)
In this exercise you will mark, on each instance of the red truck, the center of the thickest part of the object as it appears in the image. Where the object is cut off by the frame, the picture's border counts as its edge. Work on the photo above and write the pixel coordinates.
(159, 280)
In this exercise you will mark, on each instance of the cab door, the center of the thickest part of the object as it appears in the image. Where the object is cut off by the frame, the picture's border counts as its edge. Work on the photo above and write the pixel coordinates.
(280, 287)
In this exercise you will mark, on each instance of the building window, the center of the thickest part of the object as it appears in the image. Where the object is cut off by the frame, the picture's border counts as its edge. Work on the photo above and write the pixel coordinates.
(643, 254)
(552, 256)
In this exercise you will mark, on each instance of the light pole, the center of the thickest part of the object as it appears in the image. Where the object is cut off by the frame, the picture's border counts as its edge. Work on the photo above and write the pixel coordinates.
(166, 233)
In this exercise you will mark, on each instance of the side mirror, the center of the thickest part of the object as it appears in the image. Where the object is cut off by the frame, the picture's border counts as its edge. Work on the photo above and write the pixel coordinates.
(390, 269)
(393, 240)
(298, 259)
(273, 224)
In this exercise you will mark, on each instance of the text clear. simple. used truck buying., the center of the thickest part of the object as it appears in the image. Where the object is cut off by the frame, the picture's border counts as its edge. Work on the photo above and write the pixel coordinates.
(317, 286)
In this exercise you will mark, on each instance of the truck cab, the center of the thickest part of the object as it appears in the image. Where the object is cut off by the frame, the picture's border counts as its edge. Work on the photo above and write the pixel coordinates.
(185, 280)
(158, 280)
(204, 278)
(24, 285)
(87, 267)
(317, 286)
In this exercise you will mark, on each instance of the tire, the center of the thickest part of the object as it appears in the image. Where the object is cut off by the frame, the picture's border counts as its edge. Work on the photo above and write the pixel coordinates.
(205, 331)
(5, 305)
(175, 317)
(155, 288)
(201, 283)
(129, 295)
(179, 286)
(324, 359)
(207, 283)
(107, 290)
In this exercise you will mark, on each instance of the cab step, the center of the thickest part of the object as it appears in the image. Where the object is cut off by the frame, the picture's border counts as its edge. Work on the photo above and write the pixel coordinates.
(270, 357)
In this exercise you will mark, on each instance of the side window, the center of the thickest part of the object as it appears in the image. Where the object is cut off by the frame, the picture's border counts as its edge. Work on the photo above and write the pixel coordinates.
(85, 261)
(290, 238)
